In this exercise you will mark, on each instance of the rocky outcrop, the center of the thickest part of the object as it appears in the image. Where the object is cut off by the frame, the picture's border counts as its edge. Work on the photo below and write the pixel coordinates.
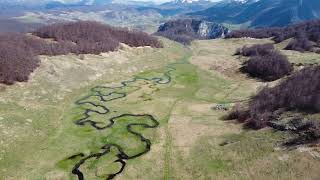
(210, 30)
(186, 30)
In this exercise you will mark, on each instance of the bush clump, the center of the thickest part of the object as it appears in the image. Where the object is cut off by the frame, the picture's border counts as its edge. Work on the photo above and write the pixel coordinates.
(304, 35)
(308, 132)
(300, 43)
(300, 92)
(255, 33)
(268, 67)
(255, 50)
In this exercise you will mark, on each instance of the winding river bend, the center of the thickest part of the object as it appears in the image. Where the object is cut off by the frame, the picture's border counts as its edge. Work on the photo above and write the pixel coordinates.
(113, 94)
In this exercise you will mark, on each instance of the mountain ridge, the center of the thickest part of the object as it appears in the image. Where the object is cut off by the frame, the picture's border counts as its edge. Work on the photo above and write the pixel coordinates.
(262, 13)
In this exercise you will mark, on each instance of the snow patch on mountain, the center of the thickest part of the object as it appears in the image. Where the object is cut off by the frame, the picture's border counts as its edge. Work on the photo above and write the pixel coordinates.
(189, 1)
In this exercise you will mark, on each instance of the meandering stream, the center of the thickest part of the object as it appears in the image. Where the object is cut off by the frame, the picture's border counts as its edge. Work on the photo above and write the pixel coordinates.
(122, 156)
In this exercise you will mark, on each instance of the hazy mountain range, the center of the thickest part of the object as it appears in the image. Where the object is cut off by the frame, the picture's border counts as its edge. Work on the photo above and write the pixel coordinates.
(262, 13)
(16, 15)
(92, 2)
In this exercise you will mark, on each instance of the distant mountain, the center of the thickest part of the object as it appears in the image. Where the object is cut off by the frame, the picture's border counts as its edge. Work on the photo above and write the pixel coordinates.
(133, 2)
(262, 13)
(65, 3)
(185, 6)
(172, 8)
(188, 2)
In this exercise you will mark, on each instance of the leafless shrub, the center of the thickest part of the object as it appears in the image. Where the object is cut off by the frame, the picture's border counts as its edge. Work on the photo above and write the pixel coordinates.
(18, 52)
(255, 50)
(268, 67)
(300, 43)
(255, 33)
(238, 112)
(310, 29)
(299, 92)
(94, 38)
(16, 63)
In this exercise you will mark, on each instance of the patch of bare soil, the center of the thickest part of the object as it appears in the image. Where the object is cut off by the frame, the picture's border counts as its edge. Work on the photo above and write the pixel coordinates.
(201, 120)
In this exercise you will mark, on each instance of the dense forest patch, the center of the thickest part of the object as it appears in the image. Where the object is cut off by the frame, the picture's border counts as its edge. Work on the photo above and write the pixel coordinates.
(16, 60)
(18, 57)
(94, 38)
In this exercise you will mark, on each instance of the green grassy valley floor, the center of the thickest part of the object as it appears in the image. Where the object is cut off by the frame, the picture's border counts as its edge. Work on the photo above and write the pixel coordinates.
(172, 91)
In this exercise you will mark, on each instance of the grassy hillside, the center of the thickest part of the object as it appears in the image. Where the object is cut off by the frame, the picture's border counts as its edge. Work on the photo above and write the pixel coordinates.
(40, 139)
(19, 52)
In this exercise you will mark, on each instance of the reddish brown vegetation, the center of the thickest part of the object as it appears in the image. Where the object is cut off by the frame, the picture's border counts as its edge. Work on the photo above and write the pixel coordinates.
(16, 62)
(18, 51)
(255, 50)
(304, 35)
(265, 63)
(268, 67)
(17, 58)
(94, 38)
(300, 43)
(300, 92)
(255, 33)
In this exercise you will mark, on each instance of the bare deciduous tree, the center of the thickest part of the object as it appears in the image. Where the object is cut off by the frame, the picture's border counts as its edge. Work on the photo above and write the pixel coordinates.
(300, 91)
(18, 52)
(304, 35)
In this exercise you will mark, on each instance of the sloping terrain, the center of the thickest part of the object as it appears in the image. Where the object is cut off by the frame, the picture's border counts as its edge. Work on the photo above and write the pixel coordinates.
(143, 113)
(302, 37)
(262, 13)
(19, 51)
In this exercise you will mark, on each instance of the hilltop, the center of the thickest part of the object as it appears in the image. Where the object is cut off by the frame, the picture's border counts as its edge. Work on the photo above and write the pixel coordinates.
(20, 51)
(187, 30)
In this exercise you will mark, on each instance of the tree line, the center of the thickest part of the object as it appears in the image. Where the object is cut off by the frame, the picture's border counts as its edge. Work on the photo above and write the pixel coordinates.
(93, 38)
(18, 51)
(299, 92)
(305, 36)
